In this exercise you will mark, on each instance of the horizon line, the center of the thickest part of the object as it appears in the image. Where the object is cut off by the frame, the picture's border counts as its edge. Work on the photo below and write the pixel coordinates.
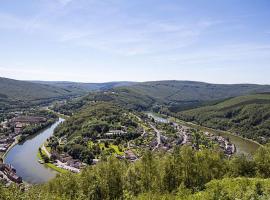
(132, 81)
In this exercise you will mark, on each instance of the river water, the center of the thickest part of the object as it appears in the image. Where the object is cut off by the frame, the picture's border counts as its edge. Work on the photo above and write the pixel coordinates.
(23, 157)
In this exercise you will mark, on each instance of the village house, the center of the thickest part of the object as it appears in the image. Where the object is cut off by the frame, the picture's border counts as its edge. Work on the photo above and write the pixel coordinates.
(74, 163)
(18, 128)
(7, 140)
(130, 155)
(10, 172)
(95, 161)
(3, 149)
(64, 158)
(115, 132)
(27, 120)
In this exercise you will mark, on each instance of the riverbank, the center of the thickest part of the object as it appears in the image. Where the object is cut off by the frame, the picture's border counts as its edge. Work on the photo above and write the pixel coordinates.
(11, 146)
(46, 152)
(50, 165)
(60, 115)
(17, 138)
(23, 157)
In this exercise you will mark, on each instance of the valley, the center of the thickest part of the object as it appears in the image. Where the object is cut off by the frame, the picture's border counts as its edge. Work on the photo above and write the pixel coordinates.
(135, 125)
(134, 100)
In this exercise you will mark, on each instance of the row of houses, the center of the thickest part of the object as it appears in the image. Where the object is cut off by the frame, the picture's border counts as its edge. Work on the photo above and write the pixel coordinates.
(8, 172)
(129, 155)
(115, 132)
(13, 128)
(185, 138)
(223, 142)
(27, 120)
(65, 161)
(5, 143)
(226, 145)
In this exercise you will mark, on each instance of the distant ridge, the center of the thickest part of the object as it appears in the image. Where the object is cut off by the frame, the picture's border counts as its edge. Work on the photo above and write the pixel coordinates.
(86, 87)
(180, 95)
(176, 95)
(23, 90)
(17, 94)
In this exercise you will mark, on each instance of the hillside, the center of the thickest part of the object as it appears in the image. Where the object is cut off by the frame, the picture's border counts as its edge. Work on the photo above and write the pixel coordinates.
(16, 95)
(85, 87)
(248, 116)
(170, 96)
(23, 90)
(180, 95)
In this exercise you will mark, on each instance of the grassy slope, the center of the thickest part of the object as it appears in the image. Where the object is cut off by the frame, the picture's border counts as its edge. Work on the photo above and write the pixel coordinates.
(248, 116)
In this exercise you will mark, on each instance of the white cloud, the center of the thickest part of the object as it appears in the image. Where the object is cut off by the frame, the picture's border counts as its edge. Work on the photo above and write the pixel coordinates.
(113, 31)
(137, 38)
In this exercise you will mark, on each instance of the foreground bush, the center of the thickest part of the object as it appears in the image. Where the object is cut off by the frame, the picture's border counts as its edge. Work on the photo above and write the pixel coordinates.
(184, 174)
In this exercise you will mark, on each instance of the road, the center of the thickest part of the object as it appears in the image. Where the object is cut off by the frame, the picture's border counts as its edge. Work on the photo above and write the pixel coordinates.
(157, 135)
(46, 151)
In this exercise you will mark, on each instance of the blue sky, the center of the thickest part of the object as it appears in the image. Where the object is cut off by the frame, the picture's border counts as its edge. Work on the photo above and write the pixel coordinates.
(218, 41)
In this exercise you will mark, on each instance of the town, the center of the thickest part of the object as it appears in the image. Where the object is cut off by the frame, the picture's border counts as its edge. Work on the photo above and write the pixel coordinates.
(14, 130)
(151, 133)
(142, 131)
(165, 135)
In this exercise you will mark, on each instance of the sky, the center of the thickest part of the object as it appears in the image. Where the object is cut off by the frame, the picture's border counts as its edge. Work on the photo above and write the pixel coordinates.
(216, 41)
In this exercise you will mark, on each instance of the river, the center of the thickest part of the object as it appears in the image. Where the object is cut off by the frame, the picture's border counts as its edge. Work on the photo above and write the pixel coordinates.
(23, 157)
(243, 146)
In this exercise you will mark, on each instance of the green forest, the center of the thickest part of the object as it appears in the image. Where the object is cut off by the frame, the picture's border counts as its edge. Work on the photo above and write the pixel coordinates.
(84, 130)
(247, 116)
(183, 174)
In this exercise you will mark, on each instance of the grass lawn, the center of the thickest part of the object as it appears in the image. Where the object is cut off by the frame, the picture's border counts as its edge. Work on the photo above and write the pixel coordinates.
(60, 170)
(115, 148)
(90, 144)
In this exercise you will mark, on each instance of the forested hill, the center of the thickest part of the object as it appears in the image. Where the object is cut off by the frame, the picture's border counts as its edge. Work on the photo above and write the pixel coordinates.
(17, 95)
(177, 95)
(185, 94)
(85, 87)
(166, 92)
(248, 116)
(23, 90)
(173, 95)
